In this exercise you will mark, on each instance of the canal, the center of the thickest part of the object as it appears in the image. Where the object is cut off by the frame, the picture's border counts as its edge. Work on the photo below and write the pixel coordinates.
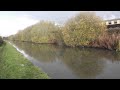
(72, 63)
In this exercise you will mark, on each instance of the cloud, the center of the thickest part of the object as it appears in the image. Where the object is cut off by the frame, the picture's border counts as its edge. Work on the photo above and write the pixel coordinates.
(10, 25)
(12, 21)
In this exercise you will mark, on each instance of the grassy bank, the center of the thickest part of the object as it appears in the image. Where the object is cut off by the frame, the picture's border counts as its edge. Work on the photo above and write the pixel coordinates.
(15, 66)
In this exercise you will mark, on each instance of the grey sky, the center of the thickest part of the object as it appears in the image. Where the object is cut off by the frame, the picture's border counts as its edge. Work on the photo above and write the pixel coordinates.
(12, 21)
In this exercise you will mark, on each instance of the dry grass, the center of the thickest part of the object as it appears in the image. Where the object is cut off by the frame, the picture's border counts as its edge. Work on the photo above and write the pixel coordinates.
(107, 41)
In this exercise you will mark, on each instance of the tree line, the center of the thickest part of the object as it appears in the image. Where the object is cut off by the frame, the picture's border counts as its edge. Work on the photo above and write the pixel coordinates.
(42, 32)
(84, 29)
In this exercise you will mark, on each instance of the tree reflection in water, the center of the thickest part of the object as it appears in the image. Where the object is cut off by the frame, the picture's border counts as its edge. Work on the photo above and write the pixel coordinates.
(84, 62)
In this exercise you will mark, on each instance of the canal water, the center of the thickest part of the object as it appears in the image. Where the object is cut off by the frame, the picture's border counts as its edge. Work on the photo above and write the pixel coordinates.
(72, 63)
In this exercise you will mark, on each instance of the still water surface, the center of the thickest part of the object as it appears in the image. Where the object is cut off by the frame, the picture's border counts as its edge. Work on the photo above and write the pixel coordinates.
(72, 63)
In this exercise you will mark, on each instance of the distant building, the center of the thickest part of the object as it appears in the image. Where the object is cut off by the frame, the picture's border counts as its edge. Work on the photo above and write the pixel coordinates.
(113, 23)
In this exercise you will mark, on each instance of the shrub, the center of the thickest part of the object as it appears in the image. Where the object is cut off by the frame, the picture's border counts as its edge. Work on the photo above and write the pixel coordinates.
(41, 32)
(82, 29)
(56, 37)
(107, 41)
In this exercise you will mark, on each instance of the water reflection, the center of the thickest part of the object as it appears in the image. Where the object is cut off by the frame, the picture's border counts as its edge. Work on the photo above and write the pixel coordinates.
(82, 63)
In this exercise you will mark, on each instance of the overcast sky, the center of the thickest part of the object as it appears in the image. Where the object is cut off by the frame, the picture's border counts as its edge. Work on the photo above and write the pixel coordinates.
(12, 21)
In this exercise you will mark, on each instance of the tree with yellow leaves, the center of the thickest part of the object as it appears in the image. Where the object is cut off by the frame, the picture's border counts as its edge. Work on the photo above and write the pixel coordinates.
(82, 29)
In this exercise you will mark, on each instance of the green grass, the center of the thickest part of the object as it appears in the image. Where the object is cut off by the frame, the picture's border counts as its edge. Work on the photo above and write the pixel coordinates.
(14, 65)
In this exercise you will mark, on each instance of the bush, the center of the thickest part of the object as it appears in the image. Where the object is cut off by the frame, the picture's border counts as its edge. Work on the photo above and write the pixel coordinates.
(82, 29)
(42, 32)
(56, 37)
(107, 41)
